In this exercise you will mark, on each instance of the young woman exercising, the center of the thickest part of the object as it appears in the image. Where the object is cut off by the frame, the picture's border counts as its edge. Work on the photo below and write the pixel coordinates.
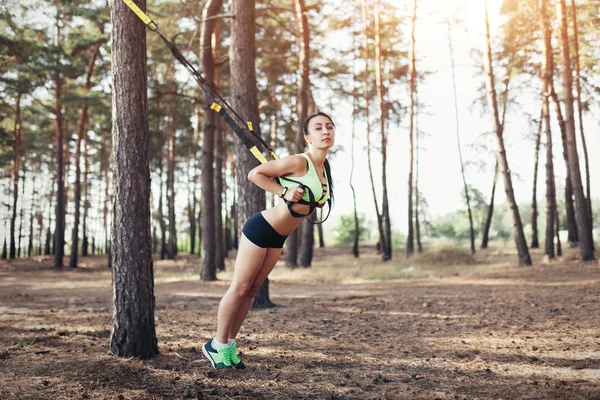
(265, 232)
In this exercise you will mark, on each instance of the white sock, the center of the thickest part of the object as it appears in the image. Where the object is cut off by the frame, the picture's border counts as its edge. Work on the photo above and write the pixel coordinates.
(230, 342)
(217, 345)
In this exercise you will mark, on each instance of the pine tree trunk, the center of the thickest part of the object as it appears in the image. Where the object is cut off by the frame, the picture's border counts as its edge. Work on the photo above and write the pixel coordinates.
(535, 243)
(547, 72)
(171, 165)
(368, 124)
(385, 212)
(86, 194)
(21, 214)
(584, 228)
(251, 198)
(209, 129)
(462, 165)
(355, 249)
(81, 127)
(220, 154)
(31, 212)
(410, 241)
(573, 236)
(48, 247)
(523, 251)
(15, 176)
(580, 112)
(133, 331)
(196, 141)
(59, 230)
(161, 217)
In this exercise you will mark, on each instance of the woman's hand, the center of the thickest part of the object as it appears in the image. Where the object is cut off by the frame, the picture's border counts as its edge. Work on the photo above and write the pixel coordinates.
(294, 194)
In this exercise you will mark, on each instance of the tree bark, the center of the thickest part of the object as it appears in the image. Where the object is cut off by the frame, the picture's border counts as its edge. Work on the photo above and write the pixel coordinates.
(86, 194)
(547, 72)
(133, 331)
(21, 214)
(251, 199)
(171, 165)
(219, 164)
(584, 228)
(15, 176)
(368, 124)
(59, 230)
(535, 243)
(81, 127)
(523, 251)
(580, 112)
(462, 165)
(385, 211)
(209, 129)
(355, 249)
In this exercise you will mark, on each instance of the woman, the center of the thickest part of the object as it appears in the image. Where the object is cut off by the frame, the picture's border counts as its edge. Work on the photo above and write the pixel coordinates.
(304, 178)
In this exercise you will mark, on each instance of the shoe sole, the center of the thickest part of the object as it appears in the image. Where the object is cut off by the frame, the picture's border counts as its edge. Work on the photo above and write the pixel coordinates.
(214, 365)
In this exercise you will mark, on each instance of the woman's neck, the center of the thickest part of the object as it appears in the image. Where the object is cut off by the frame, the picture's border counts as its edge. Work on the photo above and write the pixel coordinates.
(317, 156)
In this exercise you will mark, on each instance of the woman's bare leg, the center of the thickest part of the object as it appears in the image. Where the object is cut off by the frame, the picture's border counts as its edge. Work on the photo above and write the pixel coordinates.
(248, 264)
(268, 264)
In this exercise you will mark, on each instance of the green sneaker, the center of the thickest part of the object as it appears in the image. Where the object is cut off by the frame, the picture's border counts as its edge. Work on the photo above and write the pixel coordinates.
(218, 358)
(235, 360)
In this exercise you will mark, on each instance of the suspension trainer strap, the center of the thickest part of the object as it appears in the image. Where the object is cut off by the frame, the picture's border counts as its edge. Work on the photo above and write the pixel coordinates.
(211, 93)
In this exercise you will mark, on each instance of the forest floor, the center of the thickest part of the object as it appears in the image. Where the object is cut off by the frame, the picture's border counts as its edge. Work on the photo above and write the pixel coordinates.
(443, 325)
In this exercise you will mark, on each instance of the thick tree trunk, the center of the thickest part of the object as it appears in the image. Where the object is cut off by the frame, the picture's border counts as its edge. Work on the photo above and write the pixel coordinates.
(584, 228)
(220, 155)
(385, 211)
(535, 243)
(15, 176)
(81, 127)
(251, 198)
(209, 129)
(133, 331)
(523, 251)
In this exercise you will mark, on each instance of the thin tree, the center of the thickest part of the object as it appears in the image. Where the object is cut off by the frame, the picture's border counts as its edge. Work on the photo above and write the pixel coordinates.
(251, 198)
(133, 331)
(523, 251)
(209, 130)
(81, 128)
(460, 157)
(580, 109)
(15, 175)
(584, 228)
(171, 161)
(59, 230)
(355, 250)
(535, 243)
(366, 95)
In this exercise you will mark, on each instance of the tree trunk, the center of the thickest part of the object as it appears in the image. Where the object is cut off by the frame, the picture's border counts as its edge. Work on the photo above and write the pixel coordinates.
(523, 251)
(59, 230)
(133, 331)
(535, 243)
(580, 112)
(251, 198)
(86, 194)
(194, 200)
(21, 214)
(31, 212)
(462, 165)
(355, 249)
(584, 228)
(573, 237)
(48, 247)
(81, 127)
(161, 217)
(15, 176)
(171, 165)
(219, 164)
(209, 129)
(368, 124)
(385, 212)
(547, 71)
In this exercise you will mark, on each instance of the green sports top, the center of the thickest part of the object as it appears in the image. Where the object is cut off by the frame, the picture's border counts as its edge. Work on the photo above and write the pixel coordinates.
(311, 181)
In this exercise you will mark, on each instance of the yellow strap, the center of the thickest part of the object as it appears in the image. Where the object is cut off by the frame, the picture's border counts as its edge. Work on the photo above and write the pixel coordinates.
(216, 107)
(254, 150)
(142, 15)
(249, 125)
(274, 155)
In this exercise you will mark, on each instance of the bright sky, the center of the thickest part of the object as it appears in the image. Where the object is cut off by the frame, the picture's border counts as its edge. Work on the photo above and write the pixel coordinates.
(440, 179)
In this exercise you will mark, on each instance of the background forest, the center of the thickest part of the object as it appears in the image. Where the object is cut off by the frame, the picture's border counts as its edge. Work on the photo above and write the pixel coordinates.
(421, 92)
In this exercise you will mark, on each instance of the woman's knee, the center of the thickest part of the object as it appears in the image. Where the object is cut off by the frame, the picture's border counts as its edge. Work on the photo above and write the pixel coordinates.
(239, 291)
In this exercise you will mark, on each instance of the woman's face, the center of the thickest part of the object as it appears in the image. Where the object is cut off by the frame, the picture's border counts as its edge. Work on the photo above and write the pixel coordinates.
(321, 133)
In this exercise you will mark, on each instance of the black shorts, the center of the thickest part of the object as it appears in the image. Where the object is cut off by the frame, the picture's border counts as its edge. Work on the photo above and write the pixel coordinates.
(261, 233)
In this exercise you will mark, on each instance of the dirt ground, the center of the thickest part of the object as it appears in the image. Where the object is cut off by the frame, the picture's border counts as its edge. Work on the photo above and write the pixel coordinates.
(441, 326)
